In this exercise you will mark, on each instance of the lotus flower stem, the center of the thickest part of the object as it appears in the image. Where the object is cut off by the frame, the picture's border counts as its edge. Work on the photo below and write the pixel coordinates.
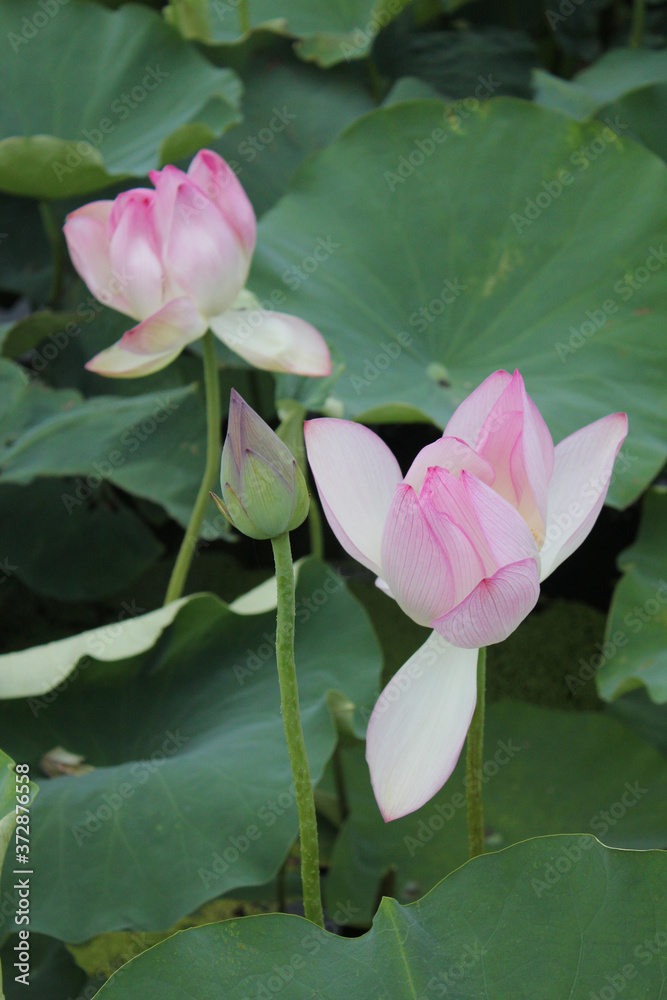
(296, 746)
(211, 472)
(315, 531)
(474, 762)
(55, 239)
(637, 27)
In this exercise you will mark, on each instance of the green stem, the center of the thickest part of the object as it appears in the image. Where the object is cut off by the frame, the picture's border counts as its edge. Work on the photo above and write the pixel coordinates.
(637, 29)
(296, 746)
(55, 238)
(474, 762)
(315, 530)
(281, 888)
(339, 781)
(244, 17)
(211, 472)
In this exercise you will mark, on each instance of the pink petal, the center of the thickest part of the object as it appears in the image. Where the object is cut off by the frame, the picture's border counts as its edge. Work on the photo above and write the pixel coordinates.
(87, 235)
(494, 609)
(418, 726)
(219, 183)
(134, 250)
(578, 487)
(508, 537)
(517, 443)
(467, 420)
(202, 251)
(273, 341)
(356, 476)
(151, 345)
(415, 562)
(467, 563)
(448, 496)
(451, 454)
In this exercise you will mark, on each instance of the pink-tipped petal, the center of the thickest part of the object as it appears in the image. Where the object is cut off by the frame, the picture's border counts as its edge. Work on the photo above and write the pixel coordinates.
(468, 419)
(516, 441)
(508, 537)
(494, 609)
(274, 341)
(134, 251)
(219, 183)
(151, 345)
(87, 235)
(415, 562)
(582, 471)
(451, 454)
(356, 476)
(448, 496)
(202, 252)
(419, 724)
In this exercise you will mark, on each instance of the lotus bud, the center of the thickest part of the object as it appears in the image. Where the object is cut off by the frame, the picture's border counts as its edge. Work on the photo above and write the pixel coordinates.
(264, 493)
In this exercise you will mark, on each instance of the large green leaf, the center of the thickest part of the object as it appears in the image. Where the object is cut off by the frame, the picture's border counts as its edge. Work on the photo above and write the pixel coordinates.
(555, 917)
(283, 120)
(417, 244)
(326, 33)
(545, 771)
(635, 651)
(145, 98)
(192, 779)
(80, 552)
(150, 444)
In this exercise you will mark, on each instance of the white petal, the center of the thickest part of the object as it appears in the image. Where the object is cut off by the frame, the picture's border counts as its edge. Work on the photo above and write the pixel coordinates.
(582, 470)
(356, 476)
(153, 344)
(273, 341)
(419, 724)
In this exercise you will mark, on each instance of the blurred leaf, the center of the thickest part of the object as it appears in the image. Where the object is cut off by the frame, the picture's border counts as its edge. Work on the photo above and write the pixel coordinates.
(326, 33)
(191, 771)
(532, 756)
(29, 332)
(613, 76)
(635, 652)
(409, 88)
(53, 973)
(642, 715)
(119, 114)
(283, 120)
(25, 255)
(626, 88)
(461, 64)
(489, 930)
(149, 445)
(77, 550)
(488, 246)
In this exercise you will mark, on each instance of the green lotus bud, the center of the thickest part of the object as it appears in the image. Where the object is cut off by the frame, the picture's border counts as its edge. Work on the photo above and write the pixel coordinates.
(264, 493)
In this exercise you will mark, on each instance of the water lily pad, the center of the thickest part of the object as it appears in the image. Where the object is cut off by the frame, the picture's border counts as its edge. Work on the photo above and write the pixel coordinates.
(147, 97)
(326, 33)
(635, 652)
(191, 794)
(489, 930)
(432, 245)
(530, 757)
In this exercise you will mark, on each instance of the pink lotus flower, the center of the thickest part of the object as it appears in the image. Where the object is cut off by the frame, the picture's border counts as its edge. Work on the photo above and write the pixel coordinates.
(461, 543)
(177, 258)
